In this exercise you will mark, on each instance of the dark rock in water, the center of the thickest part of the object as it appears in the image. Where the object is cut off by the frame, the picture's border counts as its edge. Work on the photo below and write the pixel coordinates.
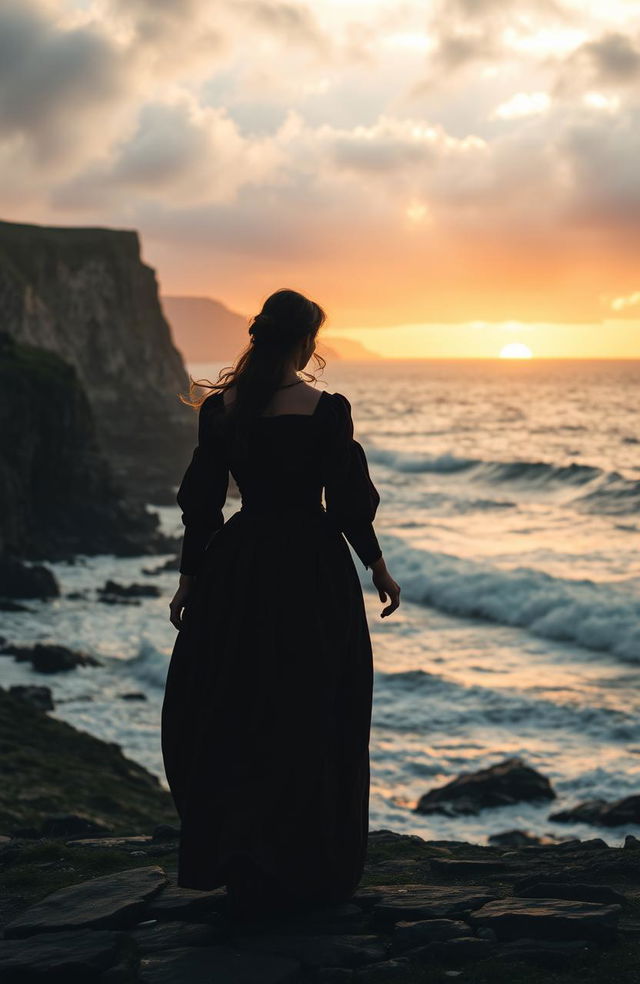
(19, 580)
(13, 606)
(576, 891)
(40, 697)
(73, 825)
(52, 659)
(77, 595)
(111, 902)
(602, 813)
(522, 838)
(548, 918)
(219, 964)
(133, 695)
(110, 599)
(80, 955)
(164, 832)
(169, 565)
(510, 781)
(130, 590)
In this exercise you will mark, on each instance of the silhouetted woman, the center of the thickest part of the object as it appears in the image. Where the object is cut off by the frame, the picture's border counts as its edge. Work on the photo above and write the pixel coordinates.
(267, 705)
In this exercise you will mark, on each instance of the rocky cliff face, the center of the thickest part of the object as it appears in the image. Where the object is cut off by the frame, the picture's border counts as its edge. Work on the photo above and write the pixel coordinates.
(84, 294)
(57, 495)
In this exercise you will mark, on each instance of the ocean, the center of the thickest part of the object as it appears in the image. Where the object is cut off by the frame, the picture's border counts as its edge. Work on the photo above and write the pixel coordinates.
(510, 516)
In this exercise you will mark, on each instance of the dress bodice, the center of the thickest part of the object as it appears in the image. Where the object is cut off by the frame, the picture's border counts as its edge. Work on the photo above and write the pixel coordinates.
(290, 459)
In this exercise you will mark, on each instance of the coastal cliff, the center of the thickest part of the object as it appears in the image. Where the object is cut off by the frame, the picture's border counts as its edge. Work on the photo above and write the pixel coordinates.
(85, 294)
(57, 493)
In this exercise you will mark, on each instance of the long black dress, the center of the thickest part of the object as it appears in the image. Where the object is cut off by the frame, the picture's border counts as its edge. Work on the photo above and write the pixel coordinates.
(267, 706)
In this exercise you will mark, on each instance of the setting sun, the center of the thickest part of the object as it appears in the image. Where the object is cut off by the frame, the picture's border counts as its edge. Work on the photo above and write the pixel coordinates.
(516, 350)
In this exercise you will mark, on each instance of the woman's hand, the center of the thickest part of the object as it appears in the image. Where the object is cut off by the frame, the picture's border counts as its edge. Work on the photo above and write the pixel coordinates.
(179, 600)
(387, 587)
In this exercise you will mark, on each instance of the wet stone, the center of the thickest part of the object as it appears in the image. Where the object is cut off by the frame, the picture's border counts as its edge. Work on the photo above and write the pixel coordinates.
(392, 903)
(111, 901)
(555, 919)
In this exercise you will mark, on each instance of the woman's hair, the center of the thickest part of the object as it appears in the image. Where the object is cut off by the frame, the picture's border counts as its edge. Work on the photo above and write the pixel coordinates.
(286, 320)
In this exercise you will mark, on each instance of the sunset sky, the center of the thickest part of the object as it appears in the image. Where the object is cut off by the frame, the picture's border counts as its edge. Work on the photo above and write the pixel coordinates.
(445, 178)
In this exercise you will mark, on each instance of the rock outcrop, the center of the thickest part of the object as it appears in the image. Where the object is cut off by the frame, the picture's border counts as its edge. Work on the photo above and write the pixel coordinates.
(510, 781)
(85, 294)
(57, 493)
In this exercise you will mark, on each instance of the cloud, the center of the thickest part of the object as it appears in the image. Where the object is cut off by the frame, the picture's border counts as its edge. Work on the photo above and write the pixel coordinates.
(609, 62)
(624, 303)
(522, 104)
(284, 135)
(53, 81)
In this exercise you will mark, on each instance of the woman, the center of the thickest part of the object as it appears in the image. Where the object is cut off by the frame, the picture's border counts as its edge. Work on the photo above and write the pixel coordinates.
(267, 706)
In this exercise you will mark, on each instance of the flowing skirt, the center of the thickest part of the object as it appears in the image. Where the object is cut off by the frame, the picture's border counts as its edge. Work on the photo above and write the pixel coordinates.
(267, 710)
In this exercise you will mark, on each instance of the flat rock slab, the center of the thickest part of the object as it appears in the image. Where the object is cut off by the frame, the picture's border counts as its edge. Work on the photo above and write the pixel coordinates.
(552, 954)
(140, 840)
(81, 955)
(217, 965)
(551, 919)
(392, 903)
(577, 891)
(175, 903)
(318, 951)
(110, 902)
(450, 866)
(173, 935)
(409, 934)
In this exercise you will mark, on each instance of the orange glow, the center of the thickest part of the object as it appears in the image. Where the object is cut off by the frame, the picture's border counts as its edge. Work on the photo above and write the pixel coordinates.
(610, 339)
(516, 350)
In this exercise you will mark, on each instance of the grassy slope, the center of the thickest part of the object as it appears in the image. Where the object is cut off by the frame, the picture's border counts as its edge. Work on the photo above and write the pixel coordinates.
(47, 766)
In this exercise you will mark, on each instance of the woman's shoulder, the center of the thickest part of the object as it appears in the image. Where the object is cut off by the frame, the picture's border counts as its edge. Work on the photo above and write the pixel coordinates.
(212, 402)
(338, 403)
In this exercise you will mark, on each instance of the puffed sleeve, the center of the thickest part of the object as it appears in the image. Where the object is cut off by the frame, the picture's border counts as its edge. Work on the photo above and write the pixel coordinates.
(203, 489)
(351, 498)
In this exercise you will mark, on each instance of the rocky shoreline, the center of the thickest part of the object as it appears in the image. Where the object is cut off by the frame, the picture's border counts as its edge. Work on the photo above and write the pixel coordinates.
(94, 893)
(425, 911)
